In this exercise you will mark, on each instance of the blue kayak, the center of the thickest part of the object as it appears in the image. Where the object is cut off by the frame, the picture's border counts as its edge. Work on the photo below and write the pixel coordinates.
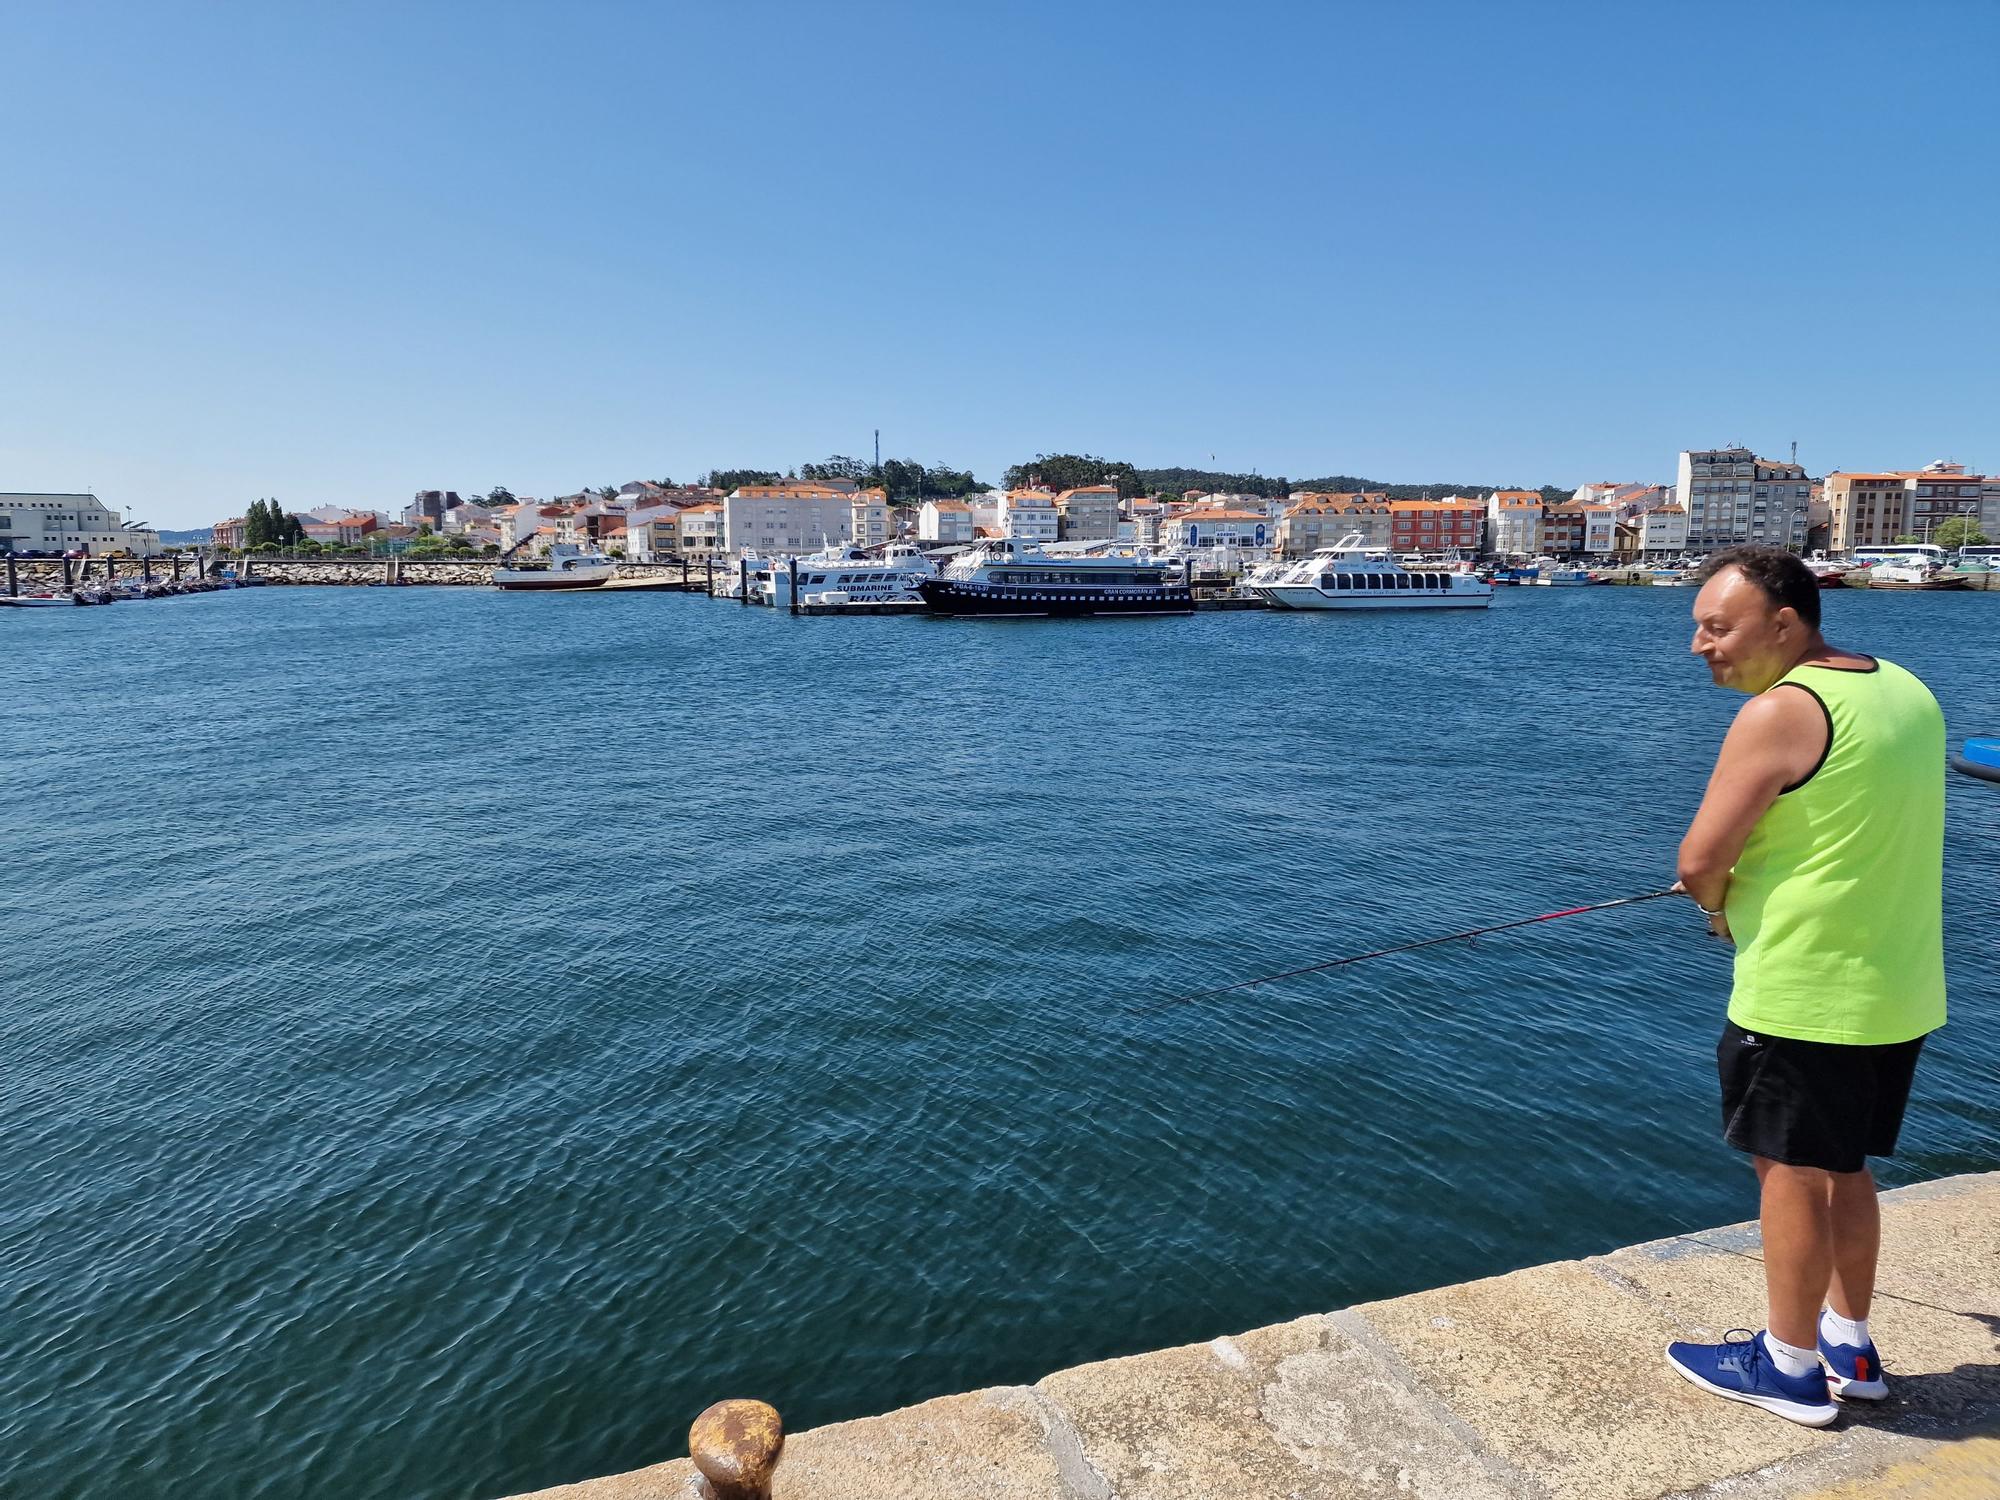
(1979, 758)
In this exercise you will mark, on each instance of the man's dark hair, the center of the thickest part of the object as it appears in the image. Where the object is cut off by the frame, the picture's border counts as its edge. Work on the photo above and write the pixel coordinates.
(1784, 580)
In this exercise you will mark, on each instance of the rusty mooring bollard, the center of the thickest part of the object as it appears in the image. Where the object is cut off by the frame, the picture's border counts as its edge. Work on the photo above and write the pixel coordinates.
(735, 1446)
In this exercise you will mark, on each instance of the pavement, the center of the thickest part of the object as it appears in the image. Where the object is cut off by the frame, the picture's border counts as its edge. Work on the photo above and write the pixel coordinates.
(1479, 1391)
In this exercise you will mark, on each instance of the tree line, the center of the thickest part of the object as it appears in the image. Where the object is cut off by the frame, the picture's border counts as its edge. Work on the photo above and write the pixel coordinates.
(266, 521)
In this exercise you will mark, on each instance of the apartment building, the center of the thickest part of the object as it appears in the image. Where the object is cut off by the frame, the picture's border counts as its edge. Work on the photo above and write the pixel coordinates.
(1870, 509)
(1088, 514)
(1450, 524)
(652, 532)
(701, 529)
(947, 522)
(341, 529)
(869, 522)
(69, 523)
(1732, 496)
(798, 516)
(1319, 519)
(1514, 523)
(1662, 531)
(1029, 515)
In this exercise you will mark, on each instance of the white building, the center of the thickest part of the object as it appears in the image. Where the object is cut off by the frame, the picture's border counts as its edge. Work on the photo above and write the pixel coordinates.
(791, 518)
(1029, 516)
(868, 520)
(947, 521)
(1244, 530)
(1600, 530)
(1514, 523)
(1663, 530)
(70, 523)
(1732, 496)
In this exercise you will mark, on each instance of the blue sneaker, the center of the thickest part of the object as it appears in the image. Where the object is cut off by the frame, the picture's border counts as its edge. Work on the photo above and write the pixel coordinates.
(1853, 1372)
(1742, 1370)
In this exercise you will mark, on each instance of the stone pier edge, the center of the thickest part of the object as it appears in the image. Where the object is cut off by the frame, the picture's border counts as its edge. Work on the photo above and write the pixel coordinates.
(1547, 1383)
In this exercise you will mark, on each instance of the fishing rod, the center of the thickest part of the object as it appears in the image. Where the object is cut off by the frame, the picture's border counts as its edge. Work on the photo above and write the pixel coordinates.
(1451, 937)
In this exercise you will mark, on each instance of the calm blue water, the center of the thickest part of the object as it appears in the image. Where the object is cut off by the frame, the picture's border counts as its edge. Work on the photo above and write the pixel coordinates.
(452, 1038)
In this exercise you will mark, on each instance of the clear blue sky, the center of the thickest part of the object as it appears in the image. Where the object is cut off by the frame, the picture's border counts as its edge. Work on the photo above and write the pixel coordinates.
(339, 253)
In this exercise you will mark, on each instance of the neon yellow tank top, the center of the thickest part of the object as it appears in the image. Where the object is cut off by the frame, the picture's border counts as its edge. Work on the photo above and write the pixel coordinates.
(1836, 903)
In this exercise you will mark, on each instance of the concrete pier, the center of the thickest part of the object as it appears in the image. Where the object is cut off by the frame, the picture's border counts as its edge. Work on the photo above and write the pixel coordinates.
(1548, 1384)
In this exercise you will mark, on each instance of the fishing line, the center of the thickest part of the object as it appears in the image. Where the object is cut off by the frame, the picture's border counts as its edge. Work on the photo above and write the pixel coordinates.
(1431, 942)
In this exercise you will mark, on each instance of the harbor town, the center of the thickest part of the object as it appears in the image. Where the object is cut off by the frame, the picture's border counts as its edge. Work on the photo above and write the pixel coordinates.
(833, 544)
(1033, 752)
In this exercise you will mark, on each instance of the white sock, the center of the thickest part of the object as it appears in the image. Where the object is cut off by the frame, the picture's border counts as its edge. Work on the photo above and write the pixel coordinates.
(1790, 1359)
(1835, 1329)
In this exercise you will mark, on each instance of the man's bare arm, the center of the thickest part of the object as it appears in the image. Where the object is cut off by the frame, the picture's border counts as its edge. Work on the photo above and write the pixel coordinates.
(1777, 739)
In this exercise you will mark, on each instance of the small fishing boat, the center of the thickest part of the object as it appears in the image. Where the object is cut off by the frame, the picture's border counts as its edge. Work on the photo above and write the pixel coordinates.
(568, 567)
(1928, 577)
(1557, 576)
(37, 601)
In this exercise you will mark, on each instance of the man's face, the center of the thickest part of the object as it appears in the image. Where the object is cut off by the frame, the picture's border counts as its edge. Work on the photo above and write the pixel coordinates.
(1746, 641)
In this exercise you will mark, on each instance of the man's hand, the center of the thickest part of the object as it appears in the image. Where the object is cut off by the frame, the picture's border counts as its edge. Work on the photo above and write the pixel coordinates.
(1718, 920)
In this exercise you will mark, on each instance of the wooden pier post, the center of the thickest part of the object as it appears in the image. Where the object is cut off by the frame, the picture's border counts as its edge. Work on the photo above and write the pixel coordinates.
(13, 578)
(711, 575)
(792, 569)
(743, 578)
(176, 561)
(735, 1446)
(145, 567)
(69, 582)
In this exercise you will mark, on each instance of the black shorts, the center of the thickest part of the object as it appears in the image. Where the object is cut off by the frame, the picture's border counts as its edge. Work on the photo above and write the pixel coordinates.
(1813, 1104)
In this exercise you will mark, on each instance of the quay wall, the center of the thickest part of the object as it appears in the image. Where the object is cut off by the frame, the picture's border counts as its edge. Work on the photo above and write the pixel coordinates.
(1545, 1384)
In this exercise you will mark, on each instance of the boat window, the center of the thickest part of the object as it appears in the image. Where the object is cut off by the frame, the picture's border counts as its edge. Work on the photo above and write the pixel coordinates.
(1403, 581)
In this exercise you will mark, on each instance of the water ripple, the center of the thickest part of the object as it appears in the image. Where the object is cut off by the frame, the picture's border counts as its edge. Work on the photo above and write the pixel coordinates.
(437, 1080)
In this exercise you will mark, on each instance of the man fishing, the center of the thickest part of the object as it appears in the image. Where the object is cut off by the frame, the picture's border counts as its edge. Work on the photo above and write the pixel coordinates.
(1818, 850)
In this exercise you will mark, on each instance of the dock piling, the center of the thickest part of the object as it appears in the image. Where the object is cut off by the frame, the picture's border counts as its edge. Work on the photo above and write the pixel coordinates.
(69, 581)
(13, 577)
(792, 569)
(735, 1446)
(743, 579)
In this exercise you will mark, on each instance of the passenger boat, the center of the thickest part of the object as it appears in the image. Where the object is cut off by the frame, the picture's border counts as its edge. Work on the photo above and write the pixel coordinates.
(1352, 575)
(1012, 579)
(569, 567)
(889, 576)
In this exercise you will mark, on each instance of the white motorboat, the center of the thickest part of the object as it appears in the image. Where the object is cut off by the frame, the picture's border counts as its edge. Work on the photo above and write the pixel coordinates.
(1353, 575)
(889, 576)
(568, 567)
